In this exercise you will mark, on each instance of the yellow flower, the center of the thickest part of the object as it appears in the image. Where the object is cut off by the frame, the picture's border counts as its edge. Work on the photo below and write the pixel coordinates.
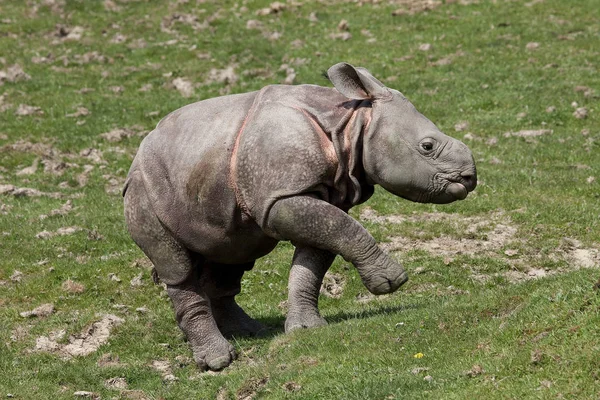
(419, 355)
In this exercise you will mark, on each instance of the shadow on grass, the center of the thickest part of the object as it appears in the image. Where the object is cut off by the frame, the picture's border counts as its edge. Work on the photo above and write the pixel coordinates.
(275, 324)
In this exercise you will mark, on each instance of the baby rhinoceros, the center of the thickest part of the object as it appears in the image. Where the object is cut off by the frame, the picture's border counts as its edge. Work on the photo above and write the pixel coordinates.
(219, 182)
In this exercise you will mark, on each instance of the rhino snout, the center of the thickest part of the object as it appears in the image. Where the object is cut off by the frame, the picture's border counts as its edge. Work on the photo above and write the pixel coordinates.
(469, 180)
(461, 188)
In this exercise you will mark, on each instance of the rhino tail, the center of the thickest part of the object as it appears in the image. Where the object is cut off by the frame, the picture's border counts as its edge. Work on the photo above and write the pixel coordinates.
(155, 277)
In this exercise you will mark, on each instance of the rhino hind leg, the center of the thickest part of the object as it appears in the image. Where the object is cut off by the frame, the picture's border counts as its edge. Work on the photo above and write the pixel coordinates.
(175, 266)
(308, 269)
(222, 282)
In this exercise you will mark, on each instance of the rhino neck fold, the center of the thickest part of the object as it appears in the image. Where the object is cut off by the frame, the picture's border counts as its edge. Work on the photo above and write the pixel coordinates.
(346, 135)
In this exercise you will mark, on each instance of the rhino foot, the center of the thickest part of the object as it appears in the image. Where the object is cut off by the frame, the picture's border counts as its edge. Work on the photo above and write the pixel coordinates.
(303, 321)
(232, 320)
(217, 355)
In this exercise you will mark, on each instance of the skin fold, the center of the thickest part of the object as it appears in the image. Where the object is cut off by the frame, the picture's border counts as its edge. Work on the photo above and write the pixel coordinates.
(220, 182)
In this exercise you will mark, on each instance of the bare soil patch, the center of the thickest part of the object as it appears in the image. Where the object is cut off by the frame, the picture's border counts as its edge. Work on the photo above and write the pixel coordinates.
(83, 344)
(490, 235)
(164, 367)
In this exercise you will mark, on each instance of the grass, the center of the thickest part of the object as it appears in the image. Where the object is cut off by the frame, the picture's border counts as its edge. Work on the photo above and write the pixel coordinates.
(484, 327)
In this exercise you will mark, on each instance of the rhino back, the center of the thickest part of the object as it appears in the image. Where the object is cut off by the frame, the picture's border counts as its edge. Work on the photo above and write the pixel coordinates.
(184, 163)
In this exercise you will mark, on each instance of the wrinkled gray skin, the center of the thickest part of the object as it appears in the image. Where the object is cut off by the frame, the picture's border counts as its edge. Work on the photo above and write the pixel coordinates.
(218, 183)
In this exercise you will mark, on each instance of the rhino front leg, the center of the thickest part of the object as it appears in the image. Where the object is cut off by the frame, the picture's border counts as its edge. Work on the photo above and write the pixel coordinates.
(313, 222)
(308, 269)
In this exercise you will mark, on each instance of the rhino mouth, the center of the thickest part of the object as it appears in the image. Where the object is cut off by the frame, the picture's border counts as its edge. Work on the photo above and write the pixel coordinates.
(442, 189)
(447, 189)
(457, 190)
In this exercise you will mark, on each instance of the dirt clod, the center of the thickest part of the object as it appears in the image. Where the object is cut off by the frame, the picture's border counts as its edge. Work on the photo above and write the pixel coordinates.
(84, 393)
(536, 357)
(14, 73)
(291, 386)
(418, 370)
(62, 210)
(528, 133)
(119, 134)
(116, 383)
(67, 230)
(42, 311)
(80, 112)
(25, 109)
(476, 370)
(250, 388)
(333, 285)
(29, 170)
(184, 86)
(580, 113)
(25, 192)
(164, 367)
(137, 280)
(16, 276)
(72, 286)
(109, 360)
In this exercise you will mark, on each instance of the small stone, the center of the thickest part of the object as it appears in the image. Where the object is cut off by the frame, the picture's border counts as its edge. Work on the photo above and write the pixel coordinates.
(590, 179)
(532, 45)
(425, 47)
(428, 378)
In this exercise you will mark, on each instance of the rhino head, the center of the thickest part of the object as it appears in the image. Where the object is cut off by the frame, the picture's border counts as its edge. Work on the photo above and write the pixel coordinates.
(403, 151)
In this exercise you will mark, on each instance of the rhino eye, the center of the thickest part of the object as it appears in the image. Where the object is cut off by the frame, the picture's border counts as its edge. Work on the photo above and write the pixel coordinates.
(427, 145)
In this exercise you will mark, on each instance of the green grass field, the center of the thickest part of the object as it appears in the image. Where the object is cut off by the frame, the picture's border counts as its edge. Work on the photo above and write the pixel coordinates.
(501, 301)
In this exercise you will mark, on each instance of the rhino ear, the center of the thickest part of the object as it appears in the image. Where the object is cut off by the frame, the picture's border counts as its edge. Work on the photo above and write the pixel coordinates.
(356, 83)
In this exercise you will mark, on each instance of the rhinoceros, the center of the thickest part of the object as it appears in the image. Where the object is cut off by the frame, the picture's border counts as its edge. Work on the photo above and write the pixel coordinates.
(220, 182)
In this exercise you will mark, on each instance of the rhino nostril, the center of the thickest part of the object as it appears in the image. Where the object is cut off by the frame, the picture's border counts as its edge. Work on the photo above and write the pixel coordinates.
(469, 180)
